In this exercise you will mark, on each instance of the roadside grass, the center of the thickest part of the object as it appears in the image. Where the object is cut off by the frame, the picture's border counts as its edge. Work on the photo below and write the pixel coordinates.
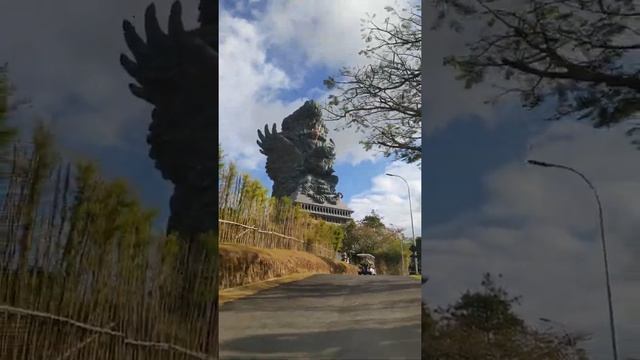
(241, 265)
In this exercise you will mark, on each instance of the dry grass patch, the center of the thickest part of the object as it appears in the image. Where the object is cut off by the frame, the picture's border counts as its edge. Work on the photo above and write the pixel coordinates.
(241, 265)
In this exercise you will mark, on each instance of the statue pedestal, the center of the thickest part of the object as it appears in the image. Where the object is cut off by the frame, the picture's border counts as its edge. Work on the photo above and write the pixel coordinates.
(337, 214)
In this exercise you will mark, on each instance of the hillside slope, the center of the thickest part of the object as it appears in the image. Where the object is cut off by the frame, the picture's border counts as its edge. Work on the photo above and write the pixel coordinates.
(241, 265)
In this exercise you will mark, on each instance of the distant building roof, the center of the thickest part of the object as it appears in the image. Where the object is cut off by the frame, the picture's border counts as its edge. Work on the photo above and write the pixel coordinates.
(338, 213)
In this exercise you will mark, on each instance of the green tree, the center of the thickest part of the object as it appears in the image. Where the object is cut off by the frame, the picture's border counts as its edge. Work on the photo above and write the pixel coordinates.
(348, 243)
(577, 53)
(383, 98)
(483, 325)
(324, 233)
(338, 236)
(359, 238)
(370, 235)
(373, 221)
(391, 254)
(108, 235)
(41, 165)
(86, 181)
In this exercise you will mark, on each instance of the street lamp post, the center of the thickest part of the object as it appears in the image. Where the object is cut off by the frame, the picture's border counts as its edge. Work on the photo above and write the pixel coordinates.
(604, 245)
(413, 234)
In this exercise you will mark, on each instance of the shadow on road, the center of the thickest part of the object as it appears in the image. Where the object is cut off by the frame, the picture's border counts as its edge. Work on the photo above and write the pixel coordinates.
(326, 317)
(360, 343)
(238, 306)
(312, 287)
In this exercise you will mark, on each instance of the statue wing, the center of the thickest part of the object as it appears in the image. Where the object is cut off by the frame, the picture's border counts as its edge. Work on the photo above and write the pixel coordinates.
(177, 72)
(167, 62)
(208, 13)
(284, 159)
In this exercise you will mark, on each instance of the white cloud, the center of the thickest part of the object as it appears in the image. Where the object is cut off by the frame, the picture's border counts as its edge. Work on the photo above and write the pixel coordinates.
(250, 81)
(246, 80)
(539, 228)
(328, 34)
(388, 197)
(63, 56)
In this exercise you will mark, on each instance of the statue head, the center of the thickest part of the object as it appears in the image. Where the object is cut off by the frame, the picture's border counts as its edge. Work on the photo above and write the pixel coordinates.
(306, 121)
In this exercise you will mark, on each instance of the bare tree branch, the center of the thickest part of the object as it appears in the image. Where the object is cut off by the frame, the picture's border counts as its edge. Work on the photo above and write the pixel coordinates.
(383, 99)
(580, 54)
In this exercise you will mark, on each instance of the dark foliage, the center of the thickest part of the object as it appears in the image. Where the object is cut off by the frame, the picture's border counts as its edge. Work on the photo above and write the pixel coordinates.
(582, 54)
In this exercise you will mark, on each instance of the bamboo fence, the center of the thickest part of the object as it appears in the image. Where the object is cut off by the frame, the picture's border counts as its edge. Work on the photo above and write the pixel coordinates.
(247, 216)
(95, 283)
(237, 233)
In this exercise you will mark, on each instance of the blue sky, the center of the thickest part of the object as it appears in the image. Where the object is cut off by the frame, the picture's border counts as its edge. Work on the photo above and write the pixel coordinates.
(273, 57)
(464, 153)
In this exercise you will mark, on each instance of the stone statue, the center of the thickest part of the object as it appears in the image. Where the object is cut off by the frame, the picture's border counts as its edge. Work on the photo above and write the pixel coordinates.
(300, 157)
(177, 73)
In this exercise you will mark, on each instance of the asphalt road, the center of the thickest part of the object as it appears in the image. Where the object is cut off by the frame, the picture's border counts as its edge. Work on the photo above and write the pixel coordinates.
(326, 317)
